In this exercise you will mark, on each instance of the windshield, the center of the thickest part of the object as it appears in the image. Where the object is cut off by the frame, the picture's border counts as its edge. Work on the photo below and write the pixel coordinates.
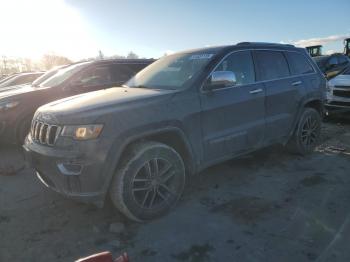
(6, 79)
(62, 75)
(46, 76)
(20, 80)
(171, 72)
(320, 60)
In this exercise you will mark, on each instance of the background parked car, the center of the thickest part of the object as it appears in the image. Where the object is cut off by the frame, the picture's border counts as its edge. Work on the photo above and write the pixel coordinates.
(20, 79)
(18, 105)
(37, 81)
(332, 65)
(338, 94)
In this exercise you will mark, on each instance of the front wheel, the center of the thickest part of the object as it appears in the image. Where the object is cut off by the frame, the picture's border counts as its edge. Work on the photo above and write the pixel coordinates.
(307, 134)
(149, 181)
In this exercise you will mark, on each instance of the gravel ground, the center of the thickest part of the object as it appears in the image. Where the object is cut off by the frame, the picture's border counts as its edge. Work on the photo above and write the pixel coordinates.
(267, 206)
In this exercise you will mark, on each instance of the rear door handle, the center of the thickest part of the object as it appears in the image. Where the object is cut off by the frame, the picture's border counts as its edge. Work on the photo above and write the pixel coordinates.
(255, 91)
(296, 83)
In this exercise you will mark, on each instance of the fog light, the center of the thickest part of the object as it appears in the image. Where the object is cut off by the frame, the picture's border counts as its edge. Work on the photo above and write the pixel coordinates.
(70, 169)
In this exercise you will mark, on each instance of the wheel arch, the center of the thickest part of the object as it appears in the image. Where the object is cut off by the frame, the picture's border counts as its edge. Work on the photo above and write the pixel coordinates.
(315, 103)
(171, 136)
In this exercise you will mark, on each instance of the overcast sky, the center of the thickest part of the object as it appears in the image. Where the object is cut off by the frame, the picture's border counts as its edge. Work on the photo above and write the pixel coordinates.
(79, 28)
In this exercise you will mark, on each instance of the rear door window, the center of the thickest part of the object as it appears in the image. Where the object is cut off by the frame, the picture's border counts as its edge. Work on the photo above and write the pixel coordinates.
(271, 65)
(299, 65)
(94, 76)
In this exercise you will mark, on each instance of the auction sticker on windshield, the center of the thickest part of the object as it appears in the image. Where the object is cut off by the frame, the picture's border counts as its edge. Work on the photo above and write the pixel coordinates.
(201, 56)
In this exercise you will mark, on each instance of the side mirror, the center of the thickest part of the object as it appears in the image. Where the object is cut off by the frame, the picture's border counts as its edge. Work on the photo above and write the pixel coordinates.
(221, 79)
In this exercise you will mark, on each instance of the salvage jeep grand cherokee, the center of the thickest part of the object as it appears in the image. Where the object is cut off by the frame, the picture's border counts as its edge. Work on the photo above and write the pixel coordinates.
(181, 114)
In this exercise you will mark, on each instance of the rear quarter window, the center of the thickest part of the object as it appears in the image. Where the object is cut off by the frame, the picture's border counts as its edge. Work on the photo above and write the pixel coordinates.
(271, 65)
(299, 65)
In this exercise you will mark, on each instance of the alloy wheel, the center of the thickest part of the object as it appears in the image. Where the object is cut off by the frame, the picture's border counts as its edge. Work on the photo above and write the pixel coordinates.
(153, 185)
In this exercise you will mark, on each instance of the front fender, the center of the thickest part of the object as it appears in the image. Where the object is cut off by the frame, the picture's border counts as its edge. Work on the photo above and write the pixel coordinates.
(124, 139)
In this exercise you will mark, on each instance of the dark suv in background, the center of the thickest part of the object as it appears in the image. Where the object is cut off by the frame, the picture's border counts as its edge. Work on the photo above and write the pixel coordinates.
(181, 114)
(17, 105)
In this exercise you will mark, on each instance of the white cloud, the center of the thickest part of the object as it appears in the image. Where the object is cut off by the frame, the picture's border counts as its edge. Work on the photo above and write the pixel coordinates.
(319, 41)
(329, 52)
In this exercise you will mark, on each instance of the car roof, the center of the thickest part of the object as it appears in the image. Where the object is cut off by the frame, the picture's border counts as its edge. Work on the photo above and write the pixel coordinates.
(243, 45)
(30, 73)
(122, 61)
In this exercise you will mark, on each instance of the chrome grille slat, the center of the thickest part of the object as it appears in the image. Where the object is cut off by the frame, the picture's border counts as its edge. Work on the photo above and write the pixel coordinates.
(47, 137)
(35, 126)
(41, 133)
(44, 133)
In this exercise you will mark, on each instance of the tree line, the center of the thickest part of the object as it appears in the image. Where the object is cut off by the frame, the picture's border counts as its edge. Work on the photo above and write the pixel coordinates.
(10, 65)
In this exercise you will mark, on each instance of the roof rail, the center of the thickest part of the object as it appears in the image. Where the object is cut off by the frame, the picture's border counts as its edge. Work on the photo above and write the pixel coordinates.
(264, 43)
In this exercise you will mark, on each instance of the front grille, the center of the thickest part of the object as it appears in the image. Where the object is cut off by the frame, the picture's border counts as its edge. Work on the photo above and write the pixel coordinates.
(341, 93)
(43, 133)
(337, 103)
(342, 87)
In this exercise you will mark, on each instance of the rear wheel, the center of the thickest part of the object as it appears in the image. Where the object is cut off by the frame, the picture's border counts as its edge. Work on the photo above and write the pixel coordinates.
(149, 181)
(307, 134)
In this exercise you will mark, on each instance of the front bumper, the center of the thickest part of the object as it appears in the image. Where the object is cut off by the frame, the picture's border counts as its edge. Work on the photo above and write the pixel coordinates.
(338, 104)
(78, 174)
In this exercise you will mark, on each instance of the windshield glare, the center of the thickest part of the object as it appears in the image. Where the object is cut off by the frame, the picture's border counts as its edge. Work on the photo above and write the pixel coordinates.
(171, 72)
(62, 75)
(45, 76)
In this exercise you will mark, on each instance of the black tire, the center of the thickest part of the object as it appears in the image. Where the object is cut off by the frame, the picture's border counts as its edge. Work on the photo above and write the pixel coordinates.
(307, 133)
(149, 181)
(23, 129)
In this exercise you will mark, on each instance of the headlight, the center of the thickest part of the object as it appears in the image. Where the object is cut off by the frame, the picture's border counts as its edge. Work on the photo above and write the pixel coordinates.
(84, 132)
(8, 105)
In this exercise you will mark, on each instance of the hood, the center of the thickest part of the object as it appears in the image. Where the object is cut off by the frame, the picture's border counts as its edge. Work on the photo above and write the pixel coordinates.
(8, 92)
(340, 80)
(102, 99)
(3, 89)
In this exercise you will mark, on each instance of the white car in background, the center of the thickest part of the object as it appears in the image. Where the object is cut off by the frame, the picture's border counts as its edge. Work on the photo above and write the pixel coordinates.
(338, 94)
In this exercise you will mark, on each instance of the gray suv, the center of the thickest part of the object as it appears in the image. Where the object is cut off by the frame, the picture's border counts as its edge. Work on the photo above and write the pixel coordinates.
(185, 112)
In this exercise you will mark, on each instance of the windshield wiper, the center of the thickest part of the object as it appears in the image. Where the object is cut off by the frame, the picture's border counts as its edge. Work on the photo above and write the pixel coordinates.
(142, 86)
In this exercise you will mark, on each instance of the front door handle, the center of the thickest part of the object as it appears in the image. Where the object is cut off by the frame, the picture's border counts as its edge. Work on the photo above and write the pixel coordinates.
(255, 91)
(296, 83)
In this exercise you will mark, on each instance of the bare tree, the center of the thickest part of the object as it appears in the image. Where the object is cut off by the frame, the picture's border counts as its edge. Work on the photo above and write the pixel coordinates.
(132, 55)
(3, 65)
(28, 64)
(51, 60)
(100, 55)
